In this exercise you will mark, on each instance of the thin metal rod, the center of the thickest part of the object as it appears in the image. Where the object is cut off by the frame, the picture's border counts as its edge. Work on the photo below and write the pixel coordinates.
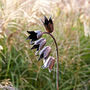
(57, 56)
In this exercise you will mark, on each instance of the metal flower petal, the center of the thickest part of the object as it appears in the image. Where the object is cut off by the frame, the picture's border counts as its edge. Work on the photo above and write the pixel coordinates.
(46, 62)
(39, 44)
(44, 53)
(49, 63)
(34, 35)
(48, 24)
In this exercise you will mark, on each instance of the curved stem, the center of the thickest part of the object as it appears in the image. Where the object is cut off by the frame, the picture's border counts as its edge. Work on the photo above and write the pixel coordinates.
(57, 56)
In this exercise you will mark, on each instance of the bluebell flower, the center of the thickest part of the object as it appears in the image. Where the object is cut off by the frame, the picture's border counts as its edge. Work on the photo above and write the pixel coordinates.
(34, 35)
(39, 44)
(49, 63)
(44, 53)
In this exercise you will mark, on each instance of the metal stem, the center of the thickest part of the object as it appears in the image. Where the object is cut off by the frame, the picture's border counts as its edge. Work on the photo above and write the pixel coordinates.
(57, 56)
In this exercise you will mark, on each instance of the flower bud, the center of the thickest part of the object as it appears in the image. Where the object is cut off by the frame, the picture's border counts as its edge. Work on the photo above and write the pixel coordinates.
(48, 24)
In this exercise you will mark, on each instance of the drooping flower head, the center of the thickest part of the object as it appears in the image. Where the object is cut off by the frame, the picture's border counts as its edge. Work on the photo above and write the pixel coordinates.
(39, 44)
(49, 63)
(44, 53)
(34, 35)
(48, 24)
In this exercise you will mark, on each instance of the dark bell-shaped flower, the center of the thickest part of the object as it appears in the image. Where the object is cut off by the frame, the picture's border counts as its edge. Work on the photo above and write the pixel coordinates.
(44, 53)
(49, 63)
(48, 24)
(34, 35)
(39, 44)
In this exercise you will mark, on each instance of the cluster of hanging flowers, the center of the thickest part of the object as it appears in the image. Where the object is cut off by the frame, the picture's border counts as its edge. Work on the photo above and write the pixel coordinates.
(39, 44)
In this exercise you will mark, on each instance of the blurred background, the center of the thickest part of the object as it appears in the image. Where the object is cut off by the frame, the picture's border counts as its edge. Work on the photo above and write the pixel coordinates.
(19, 68)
